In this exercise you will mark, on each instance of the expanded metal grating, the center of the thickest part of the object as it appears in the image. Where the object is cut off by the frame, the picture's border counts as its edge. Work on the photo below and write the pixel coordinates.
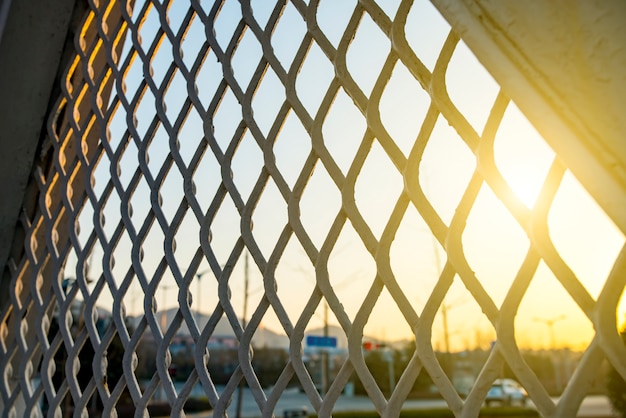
(282, 157)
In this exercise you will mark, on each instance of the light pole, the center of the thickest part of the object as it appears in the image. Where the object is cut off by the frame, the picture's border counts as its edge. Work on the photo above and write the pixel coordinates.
(198, 277)
(550, 323)
(557, 369)
(445, 308)
(243, 322)
(325, 377)
(325, 365)
(163, 311)
(164, 325)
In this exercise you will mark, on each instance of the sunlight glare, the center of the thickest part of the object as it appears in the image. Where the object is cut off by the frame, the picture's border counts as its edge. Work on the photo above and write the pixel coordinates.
(525, 190)
(522, 155)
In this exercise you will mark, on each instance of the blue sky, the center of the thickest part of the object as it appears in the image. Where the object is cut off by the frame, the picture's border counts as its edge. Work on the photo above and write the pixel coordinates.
(493, 242)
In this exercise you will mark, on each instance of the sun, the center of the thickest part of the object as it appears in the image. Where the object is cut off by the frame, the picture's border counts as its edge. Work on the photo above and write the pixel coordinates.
(522, 156)
(526, 187)
(524, 170)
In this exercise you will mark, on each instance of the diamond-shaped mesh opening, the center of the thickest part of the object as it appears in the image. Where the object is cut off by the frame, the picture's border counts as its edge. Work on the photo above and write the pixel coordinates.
(593, 255)
(267, 101)
(291, 149)
(343, 113)
(314, 77)
(246, 59)
(262, 13)
(207, 85)
(206, 173)
(288, 35)
(468, 81)
(190, 137)
(161, 64)
(284, 210)
(425, 22)
(333, 19)
(521, 155)
(403, 106)
(320, 193)
(224, 230)
(171, 192)
(350, 281)
(377, 189)
(175, 97)
(193, 43)
(416, 280)
(246, 166)
(225, 120)
(270, 210)
(449, 161)
(366, 54)
(495, 254)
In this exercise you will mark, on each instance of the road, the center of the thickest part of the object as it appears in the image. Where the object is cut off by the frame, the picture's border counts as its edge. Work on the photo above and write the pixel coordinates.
(596, 406)
(592, 406)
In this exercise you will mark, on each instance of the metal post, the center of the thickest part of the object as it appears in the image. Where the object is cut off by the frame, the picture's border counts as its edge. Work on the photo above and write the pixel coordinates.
(325, 366)
(163, 312)
(199, 302)
(555, 363)
(446, 334)
(388, 355)
(243, 321)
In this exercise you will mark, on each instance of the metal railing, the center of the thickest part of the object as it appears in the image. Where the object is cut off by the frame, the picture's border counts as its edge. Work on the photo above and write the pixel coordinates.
(191, 141)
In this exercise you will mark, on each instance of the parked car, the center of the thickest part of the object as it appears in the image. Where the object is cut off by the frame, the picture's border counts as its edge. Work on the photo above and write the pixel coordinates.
(507, 392)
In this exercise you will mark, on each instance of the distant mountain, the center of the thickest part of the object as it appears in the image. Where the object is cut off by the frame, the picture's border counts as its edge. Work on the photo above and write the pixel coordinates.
(263, 337)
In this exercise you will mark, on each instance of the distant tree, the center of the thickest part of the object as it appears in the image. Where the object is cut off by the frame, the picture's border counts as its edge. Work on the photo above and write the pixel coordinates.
(114, 371)
(541, 364)
(379, 368)
(146, 358)
(616, 386)
(222, 364)
(268, 364)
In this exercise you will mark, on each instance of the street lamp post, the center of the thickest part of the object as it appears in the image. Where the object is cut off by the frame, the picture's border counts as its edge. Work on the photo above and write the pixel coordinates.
(324, 375)
(244, 324)
(198, 277)
(163, 311)
(549, 322)
(325, 365)
(445, 309)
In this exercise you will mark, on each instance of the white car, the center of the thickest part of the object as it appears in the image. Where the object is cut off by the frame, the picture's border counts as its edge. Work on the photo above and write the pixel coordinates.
(507, 392)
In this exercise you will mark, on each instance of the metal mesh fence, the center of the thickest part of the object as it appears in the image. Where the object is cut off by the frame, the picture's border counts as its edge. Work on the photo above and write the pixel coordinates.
(224, 174)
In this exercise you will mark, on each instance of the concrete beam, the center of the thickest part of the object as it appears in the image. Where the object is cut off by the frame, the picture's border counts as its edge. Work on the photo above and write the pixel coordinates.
(32, 39)
(562, 62)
